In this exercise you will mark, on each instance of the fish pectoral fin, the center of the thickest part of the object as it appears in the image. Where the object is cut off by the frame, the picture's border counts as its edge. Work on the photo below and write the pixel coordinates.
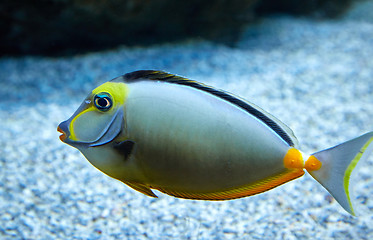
(239, 192)
(125, 147)
(142, 188)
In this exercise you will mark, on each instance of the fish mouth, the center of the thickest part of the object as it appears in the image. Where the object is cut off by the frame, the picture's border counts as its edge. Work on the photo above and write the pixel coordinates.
(63, 136)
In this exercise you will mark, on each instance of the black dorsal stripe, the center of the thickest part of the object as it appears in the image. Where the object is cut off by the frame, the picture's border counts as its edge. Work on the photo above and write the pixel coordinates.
(170, 78)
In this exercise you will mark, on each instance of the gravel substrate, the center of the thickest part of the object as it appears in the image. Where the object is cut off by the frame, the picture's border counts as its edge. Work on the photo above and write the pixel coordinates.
(316, 76)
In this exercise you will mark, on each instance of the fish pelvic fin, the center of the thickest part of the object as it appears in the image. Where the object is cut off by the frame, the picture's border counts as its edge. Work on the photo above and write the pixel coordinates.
(332, 167)
(141, 188)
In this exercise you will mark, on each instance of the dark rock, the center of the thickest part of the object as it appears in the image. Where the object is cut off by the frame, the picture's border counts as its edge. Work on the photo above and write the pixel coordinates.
(46, 27)
(316, 8)
(71, 26)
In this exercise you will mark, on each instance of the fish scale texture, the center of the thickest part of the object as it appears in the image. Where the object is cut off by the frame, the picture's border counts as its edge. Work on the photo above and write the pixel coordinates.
(316, 76)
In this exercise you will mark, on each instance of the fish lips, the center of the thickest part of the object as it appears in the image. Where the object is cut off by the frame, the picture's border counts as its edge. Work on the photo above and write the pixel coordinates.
(111, 131)
(62, 128)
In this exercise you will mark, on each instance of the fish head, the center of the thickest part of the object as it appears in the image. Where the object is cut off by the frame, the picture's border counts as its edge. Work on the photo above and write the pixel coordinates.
(99, 119)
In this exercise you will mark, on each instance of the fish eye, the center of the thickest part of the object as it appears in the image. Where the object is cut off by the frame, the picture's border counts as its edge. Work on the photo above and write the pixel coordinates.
(103, 101)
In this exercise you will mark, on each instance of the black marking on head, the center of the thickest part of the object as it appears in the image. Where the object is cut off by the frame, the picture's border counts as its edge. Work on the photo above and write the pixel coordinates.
(125, 148)
(170, 78)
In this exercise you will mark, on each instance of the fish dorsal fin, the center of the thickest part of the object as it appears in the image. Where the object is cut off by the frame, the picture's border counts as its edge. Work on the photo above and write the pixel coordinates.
(239, 192)
(273, 123)
(280, 124)
(141, 188)
(153, 75)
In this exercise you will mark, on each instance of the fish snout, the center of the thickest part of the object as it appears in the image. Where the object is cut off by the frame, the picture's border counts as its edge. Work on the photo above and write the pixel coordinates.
(62, 128)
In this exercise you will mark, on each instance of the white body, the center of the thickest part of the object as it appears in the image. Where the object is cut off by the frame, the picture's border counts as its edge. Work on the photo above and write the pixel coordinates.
(188, 139)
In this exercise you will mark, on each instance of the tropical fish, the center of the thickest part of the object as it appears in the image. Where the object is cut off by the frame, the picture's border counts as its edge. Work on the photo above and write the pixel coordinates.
(155, 130)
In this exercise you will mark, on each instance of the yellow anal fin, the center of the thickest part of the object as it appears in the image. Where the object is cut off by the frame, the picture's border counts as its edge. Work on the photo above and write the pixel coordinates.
(239, 192)
(142, 188)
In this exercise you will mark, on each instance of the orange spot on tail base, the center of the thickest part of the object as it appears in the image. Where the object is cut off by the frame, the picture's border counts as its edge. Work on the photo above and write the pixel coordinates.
(312, 164)
(293, 159)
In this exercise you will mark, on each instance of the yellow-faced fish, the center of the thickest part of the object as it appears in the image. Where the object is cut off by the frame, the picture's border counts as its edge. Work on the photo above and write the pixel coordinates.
(154, 130)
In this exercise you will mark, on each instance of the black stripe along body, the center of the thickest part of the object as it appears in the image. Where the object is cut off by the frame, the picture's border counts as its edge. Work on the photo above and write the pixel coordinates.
(170, 78)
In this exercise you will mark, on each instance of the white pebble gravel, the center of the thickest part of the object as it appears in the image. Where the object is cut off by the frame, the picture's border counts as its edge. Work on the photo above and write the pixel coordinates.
(314, 75)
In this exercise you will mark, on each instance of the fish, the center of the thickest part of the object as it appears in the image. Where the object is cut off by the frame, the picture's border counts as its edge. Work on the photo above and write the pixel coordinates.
(154, 130)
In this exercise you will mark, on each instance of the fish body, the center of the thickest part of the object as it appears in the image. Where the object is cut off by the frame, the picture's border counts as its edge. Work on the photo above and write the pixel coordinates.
(154, 130)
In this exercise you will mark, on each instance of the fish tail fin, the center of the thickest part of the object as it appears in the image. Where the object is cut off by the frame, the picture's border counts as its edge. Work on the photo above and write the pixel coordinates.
(332, 167)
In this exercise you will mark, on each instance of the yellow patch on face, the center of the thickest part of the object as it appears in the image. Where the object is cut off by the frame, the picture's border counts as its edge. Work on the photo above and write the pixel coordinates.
(293, 159)
(71, 127)
(119, 91)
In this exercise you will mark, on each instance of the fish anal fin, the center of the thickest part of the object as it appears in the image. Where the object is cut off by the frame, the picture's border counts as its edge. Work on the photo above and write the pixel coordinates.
(141, 188)
(243, 191)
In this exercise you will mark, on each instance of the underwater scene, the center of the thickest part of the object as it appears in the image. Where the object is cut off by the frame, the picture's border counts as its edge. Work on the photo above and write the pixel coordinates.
(313, 74)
